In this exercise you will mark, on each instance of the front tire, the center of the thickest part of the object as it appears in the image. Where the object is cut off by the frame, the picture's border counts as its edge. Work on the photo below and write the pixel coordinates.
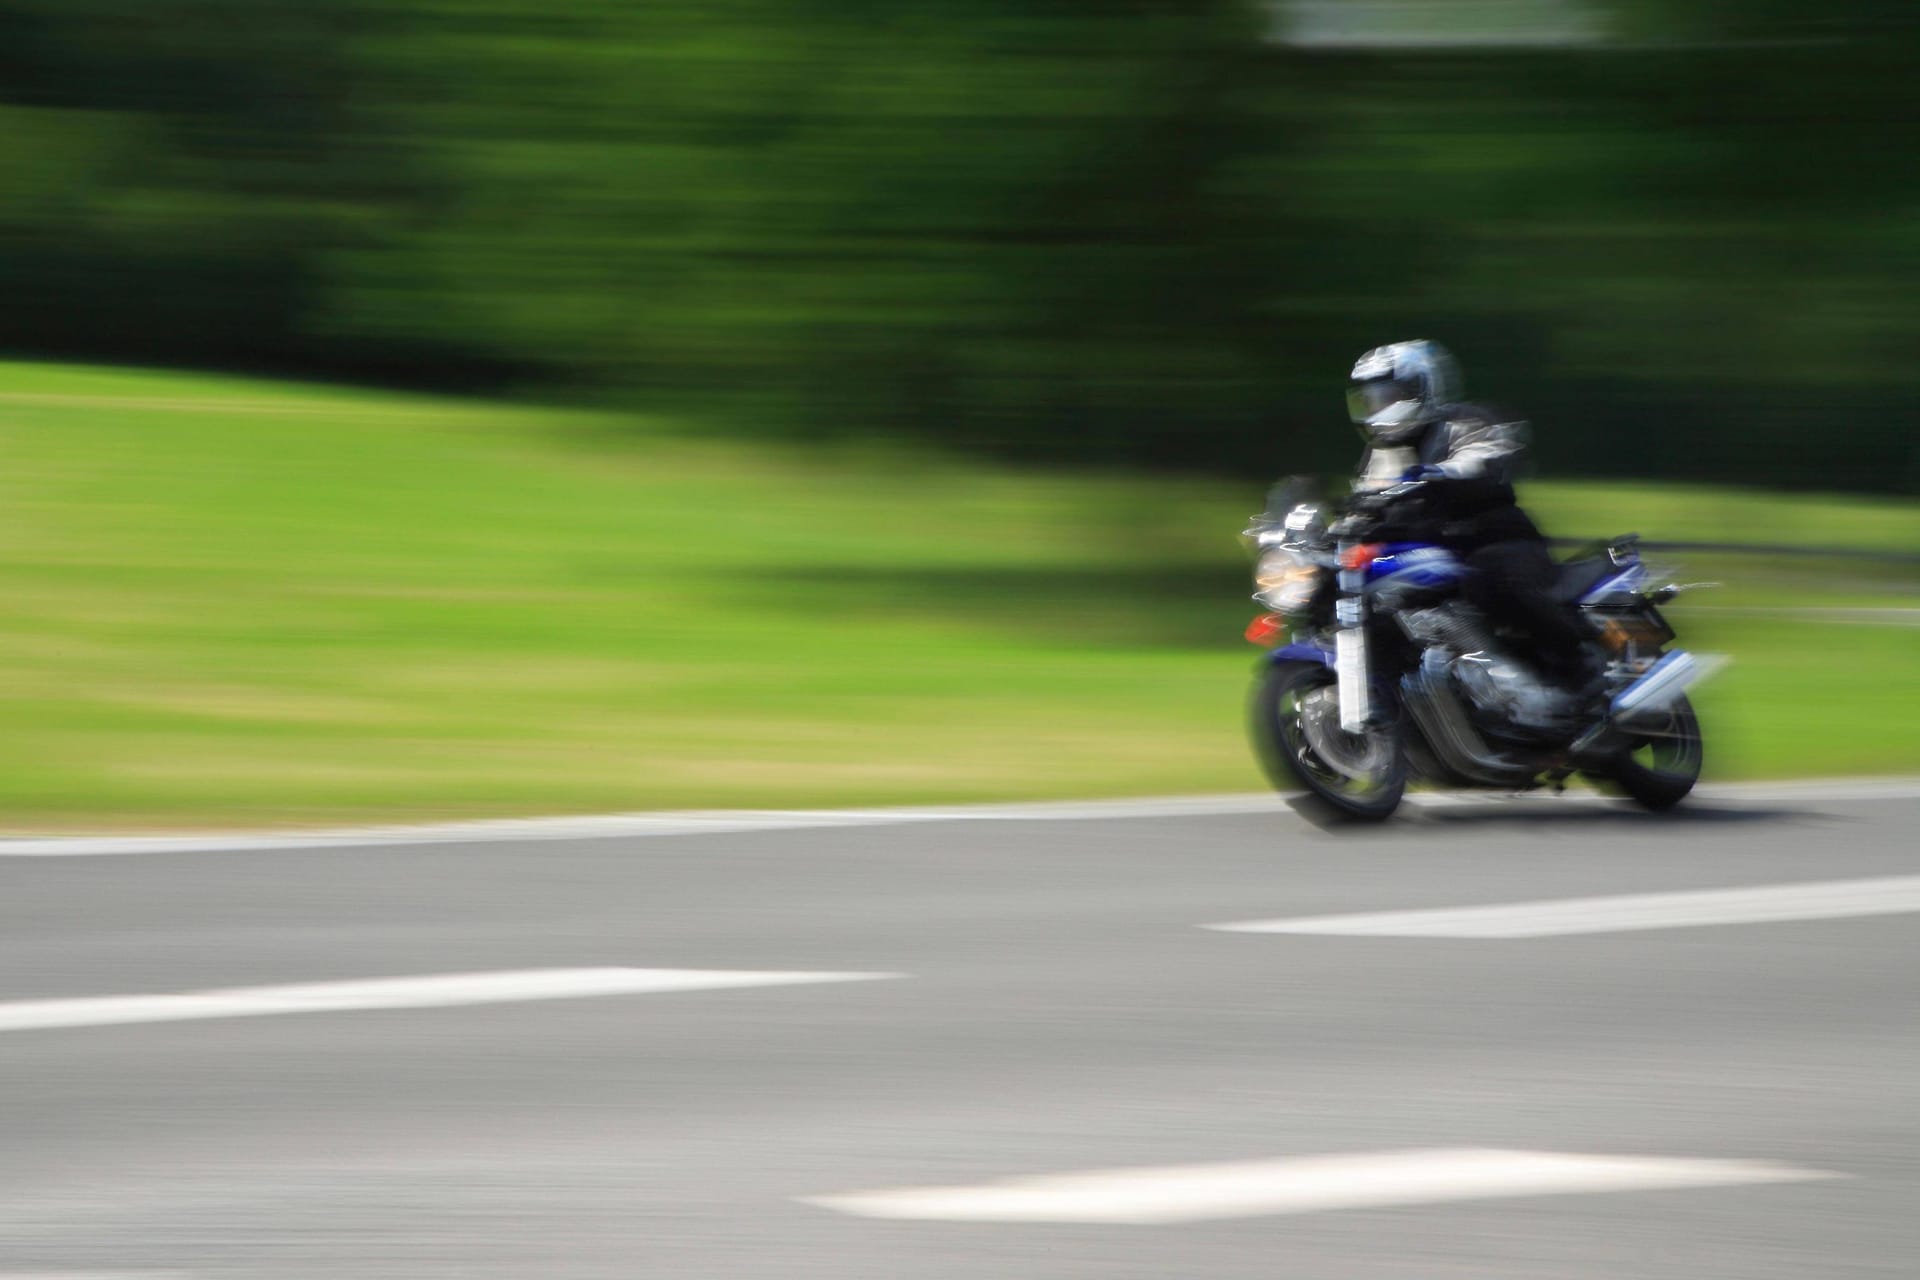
(1661, 767)
(1360, 778)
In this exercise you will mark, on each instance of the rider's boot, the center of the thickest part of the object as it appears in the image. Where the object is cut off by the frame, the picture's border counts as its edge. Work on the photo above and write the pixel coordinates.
(1589, 686)
(1571, 699)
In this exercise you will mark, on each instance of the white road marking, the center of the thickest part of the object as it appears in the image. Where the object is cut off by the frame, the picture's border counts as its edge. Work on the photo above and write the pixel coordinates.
(1759, 904)
(432, 991)
(1315, 1184)
(731, 821)
(627, 826)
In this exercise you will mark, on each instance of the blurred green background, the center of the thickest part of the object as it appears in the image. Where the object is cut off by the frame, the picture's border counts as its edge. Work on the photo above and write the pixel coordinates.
(814, 404)
(1682, 234)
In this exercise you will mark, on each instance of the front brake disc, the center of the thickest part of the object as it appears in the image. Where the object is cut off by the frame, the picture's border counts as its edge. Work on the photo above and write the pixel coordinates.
(1360, 756)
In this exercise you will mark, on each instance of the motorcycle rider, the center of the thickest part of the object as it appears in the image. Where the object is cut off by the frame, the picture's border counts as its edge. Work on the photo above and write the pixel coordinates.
(1450, 465)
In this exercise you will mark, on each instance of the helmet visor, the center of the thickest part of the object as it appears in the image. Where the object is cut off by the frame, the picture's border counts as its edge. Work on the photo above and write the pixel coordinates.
(1367, 400)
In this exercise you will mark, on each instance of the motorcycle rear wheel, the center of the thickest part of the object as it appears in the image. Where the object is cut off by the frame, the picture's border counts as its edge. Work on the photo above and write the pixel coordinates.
(1292, 760)
(1659, 770)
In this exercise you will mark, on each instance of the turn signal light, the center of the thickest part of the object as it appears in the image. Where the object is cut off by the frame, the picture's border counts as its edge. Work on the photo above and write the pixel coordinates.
(1363, 555)
(1267, 630)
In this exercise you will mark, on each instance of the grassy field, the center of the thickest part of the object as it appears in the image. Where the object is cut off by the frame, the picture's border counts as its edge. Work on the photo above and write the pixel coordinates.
(243, 603)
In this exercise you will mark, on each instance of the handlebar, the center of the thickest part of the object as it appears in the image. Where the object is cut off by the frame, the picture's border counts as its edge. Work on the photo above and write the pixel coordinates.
(1400, 503)
(1381, 499)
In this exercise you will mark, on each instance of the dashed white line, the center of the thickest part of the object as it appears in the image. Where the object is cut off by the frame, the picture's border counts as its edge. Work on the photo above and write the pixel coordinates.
(425, 992)
(1760, 904)
(1315, 1184)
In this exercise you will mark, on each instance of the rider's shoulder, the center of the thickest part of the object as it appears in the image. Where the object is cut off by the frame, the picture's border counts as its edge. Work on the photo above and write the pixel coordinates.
(1478, 418)
(1480, 411)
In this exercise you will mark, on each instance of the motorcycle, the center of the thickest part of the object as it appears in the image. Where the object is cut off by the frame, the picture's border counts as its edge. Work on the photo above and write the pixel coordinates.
(1380, 672)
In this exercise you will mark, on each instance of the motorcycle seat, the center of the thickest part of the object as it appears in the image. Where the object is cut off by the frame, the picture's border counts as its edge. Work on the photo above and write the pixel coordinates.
(1577, 577)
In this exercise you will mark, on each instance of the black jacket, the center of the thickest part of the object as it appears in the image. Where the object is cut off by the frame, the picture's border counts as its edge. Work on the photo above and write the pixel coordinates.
(1472, 503)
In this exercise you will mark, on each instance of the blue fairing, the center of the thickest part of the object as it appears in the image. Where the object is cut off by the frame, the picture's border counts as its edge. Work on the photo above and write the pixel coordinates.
(1419, 563)
(1299, 651)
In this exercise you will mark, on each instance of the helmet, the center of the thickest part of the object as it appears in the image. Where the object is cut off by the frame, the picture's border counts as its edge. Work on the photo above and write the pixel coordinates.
(1399, 389)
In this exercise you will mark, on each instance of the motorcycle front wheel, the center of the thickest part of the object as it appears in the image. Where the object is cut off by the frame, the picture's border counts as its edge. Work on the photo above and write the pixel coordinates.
(1296, 730)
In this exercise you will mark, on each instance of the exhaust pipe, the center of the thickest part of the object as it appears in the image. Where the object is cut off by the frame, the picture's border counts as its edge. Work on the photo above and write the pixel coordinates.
(1444, 724)
(1666, 680)
(1662, 683)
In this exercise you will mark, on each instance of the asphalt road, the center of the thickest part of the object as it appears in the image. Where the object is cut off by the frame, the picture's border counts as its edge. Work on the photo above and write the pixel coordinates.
(1059, 1009)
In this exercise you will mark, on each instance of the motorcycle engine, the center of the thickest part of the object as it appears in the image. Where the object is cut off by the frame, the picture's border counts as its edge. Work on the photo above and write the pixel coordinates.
(1505, 688)
(1496, 685)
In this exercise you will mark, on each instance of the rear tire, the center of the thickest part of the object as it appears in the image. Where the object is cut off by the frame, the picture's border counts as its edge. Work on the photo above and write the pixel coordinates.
(1660, 769)
(1291, 760)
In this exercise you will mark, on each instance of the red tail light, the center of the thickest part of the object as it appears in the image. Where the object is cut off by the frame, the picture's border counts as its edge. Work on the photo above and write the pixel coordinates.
(1267, 630)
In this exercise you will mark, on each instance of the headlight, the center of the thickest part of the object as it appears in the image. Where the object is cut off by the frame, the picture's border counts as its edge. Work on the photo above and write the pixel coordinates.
(1286, 582)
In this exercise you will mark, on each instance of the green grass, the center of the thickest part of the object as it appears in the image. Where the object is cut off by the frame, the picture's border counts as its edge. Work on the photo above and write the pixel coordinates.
(240, 603)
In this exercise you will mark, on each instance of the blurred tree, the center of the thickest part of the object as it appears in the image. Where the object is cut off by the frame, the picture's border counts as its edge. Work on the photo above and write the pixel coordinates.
(970, 216)
(1103, 229)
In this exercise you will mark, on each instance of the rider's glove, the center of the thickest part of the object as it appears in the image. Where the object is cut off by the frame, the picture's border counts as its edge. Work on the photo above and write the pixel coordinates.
(1425, 471)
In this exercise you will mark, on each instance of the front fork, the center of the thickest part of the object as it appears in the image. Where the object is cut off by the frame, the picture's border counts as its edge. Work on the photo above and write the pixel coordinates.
(1350, 665)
